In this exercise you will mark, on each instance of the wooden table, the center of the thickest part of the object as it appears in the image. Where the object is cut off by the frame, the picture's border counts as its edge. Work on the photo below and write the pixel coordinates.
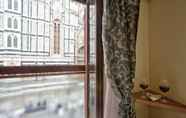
(169, 104)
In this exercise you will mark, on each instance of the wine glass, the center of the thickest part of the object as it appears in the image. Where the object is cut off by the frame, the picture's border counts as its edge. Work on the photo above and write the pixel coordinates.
(164, 87)
(144, 85)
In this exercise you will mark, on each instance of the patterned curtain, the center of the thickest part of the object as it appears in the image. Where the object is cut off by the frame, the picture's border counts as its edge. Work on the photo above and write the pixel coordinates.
(119, 42)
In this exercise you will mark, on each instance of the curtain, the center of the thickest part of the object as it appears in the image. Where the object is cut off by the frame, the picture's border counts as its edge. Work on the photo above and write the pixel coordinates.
(119, 44)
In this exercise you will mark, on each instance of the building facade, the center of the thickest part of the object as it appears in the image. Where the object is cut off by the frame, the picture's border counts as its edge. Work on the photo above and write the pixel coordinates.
(28, 32)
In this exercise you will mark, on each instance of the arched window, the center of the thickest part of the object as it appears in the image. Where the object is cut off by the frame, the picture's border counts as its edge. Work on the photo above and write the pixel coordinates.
(9, 4)
(15, 24)
(9, 41)
(15, 42)
(9, 23)
(15, 5)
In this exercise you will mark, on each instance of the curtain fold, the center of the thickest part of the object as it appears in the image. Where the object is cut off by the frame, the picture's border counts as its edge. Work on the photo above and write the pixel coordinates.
(119, 42)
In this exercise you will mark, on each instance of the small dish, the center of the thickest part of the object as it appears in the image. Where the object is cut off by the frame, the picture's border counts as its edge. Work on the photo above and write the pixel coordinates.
(153, 97)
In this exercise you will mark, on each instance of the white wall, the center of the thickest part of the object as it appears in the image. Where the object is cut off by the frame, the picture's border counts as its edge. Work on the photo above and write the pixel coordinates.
(142, 57)
(167, 44)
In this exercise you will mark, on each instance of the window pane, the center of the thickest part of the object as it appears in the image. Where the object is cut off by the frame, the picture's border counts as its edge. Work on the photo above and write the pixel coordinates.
(15, 4)
(25, 25)
(1, 4)
(33, 44)
(9, 4)
(38, 36)
(47, 12)
(41, 10)
(15, 24)
(40, 28)
(1, 40)
(1, 21)
(40, 44)
(15, 42)
(34, 27)
(34, 9)
(42, 97)
(9, 41)
(47, 44)
(26, 43)
(25, 7)
(9, 23)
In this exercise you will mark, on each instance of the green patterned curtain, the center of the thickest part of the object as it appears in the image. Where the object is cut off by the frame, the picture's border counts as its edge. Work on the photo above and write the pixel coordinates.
(119, 42)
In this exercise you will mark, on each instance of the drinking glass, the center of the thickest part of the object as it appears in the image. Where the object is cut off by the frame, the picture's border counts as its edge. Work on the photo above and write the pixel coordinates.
(144, 84)
(164, 87)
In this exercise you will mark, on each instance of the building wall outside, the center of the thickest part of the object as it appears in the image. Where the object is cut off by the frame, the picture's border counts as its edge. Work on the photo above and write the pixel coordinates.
(35, 32)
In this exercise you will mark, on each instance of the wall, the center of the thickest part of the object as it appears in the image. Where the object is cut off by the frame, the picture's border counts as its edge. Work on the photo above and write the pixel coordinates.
(142, 61)
(167, 44)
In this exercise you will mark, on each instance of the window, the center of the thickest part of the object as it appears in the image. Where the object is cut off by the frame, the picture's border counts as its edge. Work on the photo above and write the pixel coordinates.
(56, 36)
(25, 25)
(1, 4)
(40, 44)
(1, 21)
(9, 23)
(47, 44)
(34, 27)
(9, 4)
(25, 7)
(41, 10)
(35, 74)
(15, 24)
(41, 28)
(33, 44)
(47, 12)
(15, 42)
(47, 29)
(1, 39)
(9, 41)
(15, 4)
(33, 11)
(25, 43)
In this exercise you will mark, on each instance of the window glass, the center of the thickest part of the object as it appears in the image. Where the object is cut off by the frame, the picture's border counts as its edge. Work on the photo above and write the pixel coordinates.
(15, 42)
(42, 97)
(9, 23)
(41, 10)
(34, 9)
(41, 28)
(47, 44)
(9, 41)
(47, 29)
(1, 4)
(40, 44)
(9, 4)
(25, 7)
(37, 34)
(25, 43)
(15, 4)
(47, 12)
(1, 39)
(1, 21)
(34, 27)
(33, 44)
(25, 25)
(15, 24)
